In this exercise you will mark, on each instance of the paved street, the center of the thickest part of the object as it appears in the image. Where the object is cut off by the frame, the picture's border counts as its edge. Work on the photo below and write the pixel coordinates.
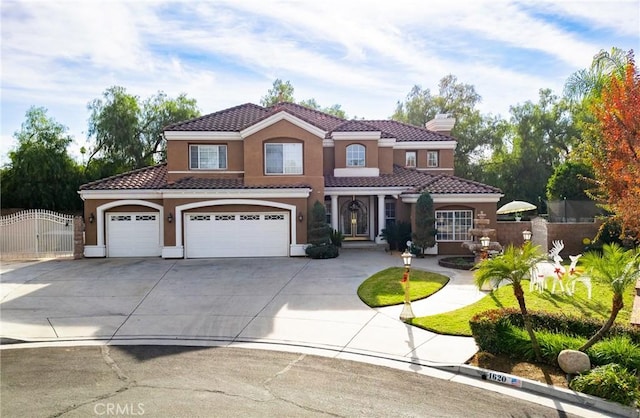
(224, 382)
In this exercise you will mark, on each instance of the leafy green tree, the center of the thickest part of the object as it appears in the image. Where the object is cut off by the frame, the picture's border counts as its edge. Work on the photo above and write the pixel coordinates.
(569, 181)
(589, 82)
(474, 132)
(41, 174)
(617, 268)
(513, 266)
(319, 234)
(541, 137)
(425, 234)
(127, 133)
(279, 92)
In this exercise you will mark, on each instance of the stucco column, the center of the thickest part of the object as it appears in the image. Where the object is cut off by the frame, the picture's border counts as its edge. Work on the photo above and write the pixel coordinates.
(334, 212)
(381, 218)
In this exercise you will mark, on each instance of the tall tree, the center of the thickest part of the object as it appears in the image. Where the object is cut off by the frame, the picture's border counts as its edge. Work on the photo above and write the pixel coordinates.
(279, 92)
(127, 133)
(475, 132)
(41, 174)
(589, 82)
(541, 137)
(617, 161)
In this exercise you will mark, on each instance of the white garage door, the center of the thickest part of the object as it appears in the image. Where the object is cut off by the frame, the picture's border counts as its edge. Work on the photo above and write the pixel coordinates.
(237, 234)
(133, 234)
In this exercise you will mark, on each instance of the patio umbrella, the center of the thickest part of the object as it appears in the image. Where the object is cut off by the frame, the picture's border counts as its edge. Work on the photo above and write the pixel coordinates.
(515, 207)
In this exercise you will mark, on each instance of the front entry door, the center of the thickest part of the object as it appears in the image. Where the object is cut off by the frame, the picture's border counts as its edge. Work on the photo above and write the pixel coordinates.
(355, 219)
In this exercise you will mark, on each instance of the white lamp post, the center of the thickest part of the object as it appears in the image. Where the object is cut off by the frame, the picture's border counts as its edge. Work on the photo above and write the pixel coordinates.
(407, 312)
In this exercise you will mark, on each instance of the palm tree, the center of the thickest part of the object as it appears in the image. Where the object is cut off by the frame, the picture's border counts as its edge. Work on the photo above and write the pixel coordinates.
(513, 266)
(591, 82)
(618, 268)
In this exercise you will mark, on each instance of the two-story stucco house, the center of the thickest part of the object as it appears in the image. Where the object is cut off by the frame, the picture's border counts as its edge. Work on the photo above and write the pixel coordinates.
(240, 183)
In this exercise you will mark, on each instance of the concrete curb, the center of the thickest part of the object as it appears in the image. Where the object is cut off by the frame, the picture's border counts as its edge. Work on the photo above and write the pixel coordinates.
(578, 399)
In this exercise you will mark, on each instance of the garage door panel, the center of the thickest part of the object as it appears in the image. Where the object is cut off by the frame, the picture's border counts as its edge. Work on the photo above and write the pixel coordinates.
(133, 235)
(237, 235)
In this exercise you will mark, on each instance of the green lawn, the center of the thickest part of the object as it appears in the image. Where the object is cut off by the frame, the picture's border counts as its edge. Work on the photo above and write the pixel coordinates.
(457, 322)
(384, 288)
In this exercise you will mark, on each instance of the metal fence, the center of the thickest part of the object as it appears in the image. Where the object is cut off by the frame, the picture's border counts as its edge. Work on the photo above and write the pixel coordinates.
(36, 234)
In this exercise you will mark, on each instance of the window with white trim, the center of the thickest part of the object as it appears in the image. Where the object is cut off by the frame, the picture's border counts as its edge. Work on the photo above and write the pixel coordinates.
(283, 158)
(208, 157)
(389, 213)
(356, 155)
(454, 225)
(432, 158)
(410, 159)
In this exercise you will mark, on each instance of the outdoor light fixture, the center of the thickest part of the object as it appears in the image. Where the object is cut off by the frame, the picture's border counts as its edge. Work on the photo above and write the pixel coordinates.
(407, 312)
(91, 218)
(406, 259)
(300, 217)
(170, 217)
(526, 235)
(485, 241)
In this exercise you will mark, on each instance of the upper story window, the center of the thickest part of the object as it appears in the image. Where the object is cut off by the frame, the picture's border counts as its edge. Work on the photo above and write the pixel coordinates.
(283, 158)
(432, 158)
(208, 157)
(356, 155)
(410, 159)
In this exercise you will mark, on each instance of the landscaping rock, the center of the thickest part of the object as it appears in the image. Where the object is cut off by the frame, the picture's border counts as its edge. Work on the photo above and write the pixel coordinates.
(573, 361)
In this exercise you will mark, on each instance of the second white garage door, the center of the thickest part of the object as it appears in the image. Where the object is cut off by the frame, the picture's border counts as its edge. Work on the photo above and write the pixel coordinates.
(263, 234)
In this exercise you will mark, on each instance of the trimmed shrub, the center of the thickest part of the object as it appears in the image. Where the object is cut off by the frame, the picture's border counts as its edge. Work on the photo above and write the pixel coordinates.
(336, 237)
(612, 382)
(561, 323)
(322, 251)
(319, 234)
(618, 350)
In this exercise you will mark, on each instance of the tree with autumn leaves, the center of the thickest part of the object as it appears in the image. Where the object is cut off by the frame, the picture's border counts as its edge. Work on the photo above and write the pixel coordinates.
(616, 159)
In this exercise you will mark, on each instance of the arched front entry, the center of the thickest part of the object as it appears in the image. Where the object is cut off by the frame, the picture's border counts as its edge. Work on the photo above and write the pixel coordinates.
(354, 216)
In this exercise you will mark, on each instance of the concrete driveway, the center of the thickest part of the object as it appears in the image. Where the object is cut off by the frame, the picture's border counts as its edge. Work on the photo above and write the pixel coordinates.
(276, 301)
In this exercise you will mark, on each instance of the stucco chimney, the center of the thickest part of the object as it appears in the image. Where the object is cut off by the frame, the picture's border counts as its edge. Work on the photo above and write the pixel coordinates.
(442, 123)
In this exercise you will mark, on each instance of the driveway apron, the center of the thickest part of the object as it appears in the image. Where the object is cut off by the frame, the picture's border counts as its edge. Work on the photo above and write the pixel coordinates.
(277, 301)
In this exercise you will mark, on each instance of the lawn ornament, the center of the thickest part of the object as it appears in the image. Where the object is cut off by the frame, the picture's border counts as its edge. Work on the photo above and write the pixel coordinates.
(575, 277)
(545, 269)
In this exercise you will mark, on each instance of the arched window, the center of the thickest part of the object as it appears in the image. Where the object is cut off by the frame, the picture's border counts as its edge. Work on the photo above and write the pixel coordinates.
(356, 155)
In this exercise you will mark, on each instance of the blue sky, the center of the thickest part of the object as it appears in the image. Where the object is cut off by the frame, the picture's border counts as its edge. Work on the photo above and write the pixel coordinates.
(363, 55)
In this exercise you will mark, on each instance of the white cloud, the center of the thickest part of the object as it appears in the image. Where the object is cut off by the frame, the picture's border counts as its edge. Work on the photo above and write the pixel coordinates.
(364, 56)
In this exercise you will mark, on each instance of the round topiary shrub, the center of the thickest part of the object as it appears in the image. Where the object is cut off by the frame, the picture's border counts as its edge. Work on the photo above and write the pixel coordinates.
(612, 382)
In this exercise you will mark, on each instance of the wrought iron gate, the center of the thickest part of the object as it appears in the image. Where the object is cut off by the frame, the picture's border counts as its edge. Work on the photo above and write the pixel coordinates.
(36, 234)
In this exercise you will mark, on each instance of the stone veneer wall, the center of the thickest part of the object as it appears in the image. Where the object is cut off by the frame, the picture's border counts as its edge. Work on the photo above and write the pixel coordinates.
(78, 237)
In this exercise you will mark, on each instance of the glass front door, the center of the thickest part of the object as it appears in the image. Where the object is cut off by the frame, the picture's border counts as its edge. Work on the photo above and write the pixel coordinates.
(355, 219)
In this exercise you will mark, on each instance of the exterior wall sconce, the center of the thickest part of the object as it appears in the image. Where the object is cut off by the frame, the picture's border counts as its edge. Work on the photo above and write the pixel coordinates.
(91, 218)
(300, 217)
(170, 217)
(526, 235)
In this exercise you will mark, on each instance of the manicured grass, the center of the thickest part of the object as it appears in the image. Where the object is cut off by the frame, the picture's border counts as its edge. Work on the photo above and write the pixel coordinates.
(384, 288)
(457, 322)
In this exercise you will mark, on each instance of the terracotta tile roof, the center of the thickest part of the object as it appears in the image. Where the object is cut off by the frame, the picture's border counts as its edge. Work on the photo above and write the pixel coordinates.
(228, 183)
(415, 181)
(228, 120)
(155, 178)
(240, 117)
(405, 132)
